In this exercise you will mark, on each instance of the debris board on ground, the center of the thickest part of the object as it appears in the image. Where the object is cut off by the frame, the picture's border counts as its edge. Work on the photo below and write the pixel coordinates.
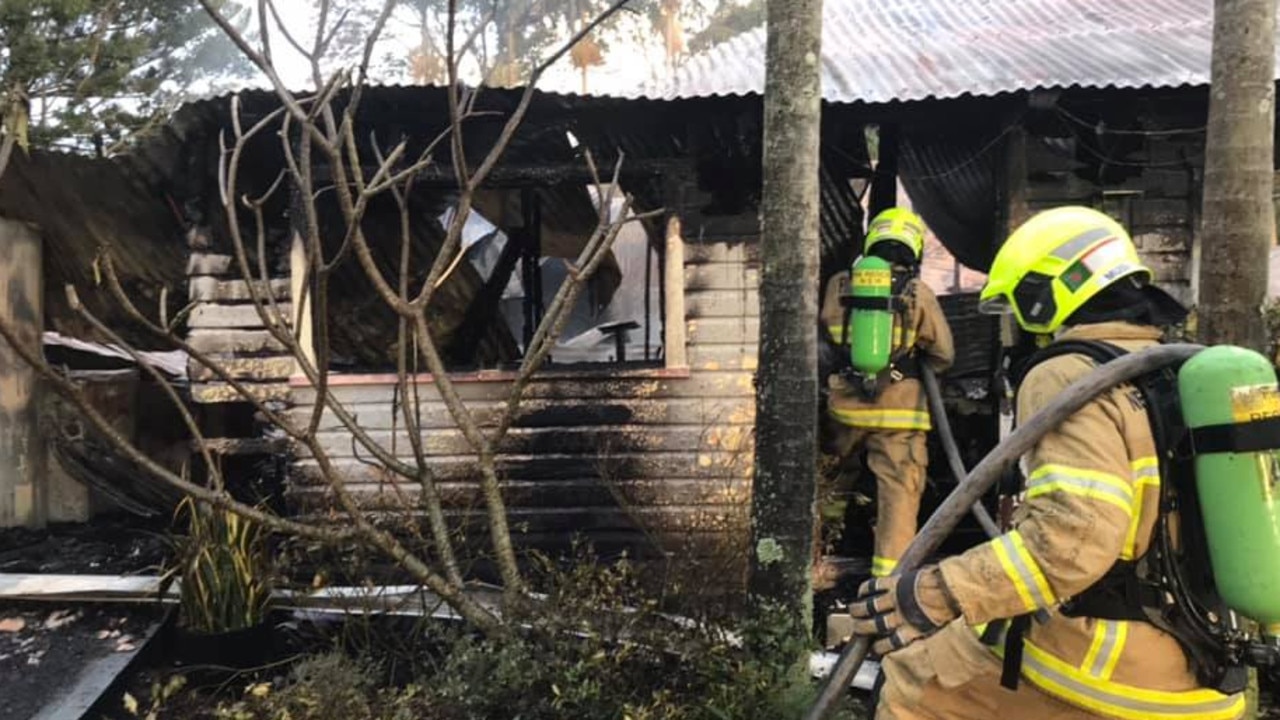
(62, 659)
(398, 600)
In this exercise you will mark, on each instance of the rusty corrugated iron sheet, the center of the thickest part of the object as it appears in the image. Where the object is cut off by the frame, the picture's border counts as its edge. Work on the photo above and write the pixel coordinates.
(879, 51)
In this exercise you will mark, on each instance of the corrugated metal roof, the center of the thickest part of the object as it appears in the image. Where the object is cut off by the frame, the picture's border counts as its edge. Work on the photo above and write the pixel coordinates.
(879, 51)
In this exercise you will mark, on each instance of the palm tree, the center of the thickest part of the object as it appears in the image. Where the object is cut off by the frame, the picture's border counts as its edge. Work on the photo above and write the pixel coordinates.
(787, 381)
(1239, 215)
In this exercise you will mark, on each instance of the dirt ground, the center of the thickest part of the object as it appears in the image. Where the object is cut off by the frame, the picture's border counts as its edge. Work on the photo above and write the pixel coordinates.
(107, 546)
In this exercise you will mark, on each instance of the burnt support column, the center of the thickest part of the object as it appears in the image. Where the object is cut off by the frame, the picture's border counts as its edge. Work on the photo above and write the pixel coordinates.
(884, 183)
(22, 499)
(673, 320)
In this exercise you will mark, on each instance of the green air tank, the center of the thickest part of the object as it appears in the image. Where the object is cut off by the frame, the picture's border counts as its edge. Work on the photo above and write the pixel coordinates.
(1225, 392)
(871, 320)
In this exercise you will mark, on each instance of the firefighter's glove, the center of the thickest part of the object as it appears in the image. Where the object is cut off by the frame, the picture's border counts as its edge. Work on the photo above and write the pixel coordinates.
(901, 609)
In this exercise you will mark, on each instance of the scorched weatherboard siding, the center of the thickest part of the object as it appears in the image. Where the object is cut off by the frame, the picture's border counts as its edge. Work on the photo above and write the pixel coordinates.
(651, 461)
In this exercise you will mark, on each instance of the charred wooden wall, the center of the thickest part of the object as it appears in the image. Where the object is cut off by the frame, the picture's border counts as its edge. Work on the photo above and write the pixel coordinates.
(656, 462)
(1139, 156)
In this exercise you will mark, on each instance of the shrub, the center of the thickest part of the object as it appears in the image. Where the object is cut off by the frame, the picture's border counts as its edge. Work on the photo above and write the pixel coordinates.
(590, 650)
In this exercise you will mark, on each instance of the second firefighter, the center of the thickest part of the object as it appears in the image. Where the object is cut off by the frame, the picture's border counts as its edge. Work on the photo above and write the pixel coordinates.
(886, 322)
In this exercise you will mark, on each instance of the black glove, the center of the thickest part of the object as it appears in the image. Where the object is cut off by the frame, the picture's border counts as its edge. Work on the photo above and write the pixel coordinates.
(902, 609)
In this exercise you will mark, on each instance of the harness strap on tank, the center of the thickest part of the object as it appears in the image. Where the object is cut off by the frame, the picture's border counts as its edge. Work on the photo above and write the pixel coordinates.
(1245, 437)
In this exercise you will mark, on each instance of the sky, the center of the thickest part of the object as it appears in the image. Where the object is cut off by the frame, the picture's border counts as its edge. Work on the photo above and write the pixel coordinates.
(629, 63)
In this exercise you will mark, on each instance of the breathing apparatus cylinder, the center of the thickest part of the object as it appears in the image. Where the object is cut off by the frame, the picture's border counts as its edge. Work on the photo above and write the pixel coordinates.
(871, 319)
(1229, 395)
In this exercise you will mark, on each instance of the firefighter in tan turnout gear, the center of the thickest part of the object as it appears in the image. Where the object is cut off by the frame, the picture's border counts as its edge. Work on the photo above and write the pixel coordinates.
(886, 410)
(1092, 493)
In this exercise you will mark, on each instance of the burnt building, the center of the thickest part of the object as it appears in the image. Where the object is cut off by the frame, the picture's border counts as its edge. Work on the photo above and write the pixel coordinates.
(638, 432)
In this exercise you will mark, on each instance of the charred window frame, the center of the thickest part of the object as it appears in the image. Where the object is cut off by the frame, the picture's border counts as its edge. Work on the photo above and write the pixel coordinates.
(624, 329)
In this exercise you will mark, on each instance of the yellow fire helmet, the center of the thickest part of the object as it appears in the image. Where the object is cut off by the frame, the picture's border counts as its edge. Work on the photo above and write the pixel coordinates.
(899, 225)
(1056, 262)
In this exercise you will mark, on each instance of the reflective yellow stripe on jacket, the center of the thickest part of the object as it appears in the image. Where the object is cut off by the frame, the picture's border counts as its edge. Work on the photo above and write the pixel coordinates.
(883, 419)
(1086, 483)
(1146, 473)
(1112, 699)
(1109, 637)
(1089, 685)
(1023, 571)
(837, 334)
(882, 566)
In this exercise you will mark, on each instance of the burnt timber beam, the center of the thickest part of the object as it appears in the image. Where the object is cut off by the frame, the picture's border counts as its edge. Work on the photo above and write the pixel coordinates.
(441, 175)
(884, 183)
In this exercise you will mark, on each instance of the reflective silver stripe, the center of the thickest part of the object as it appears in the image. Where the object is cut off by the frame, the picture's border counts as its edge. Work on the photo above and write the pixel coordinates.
(1083, 484)
(1024, 572)
(1146, 472)
(1077, 244)
(1110, 634)
(1074, 687)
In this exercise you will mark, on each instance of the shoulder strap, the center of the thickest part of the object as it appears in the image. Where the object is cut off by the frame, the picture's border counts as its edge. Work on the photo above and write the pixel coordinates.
(1098, 351)
(904, 299)
(901, 282)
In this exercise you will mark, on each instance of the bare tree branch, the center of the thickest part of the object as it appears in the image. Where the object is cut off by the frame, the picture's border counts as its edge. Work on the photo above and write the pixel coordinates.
(264, 31)
(219, 499)
(435, 509)
(500, 145)
(313, 132)
(261, 61)
(284, 31)
(302, 174)
(73, 301)
(287, 338)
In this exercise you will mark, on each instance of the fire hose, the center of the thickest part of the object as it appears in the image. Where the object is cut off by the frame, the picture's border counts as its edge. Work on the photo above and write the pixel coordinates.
(985, 474)
(934, 393)
(939, 412)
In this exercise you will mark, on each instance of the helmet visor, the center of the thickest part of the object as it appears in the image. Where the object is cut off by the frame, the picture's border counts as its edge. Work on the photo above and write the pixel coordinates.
(995, 305)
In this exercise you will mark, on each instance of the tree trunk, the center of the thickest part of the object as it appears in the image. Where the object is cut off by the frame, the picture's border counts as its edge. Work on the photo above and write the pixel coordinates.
(787, 390)
(1239, 212)
(1239, 217)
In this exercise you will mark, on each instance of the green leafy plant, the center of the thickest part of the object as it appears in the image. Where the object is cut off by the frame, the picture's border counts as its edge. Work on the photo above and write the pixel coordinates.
(224, 570)
(596, 649)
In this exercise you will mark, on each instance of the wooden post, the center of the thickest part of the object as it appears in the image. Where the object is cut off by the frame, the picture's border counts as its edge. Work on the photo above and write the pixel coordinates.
(22, 453)
(298, 263)
(674, 340)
